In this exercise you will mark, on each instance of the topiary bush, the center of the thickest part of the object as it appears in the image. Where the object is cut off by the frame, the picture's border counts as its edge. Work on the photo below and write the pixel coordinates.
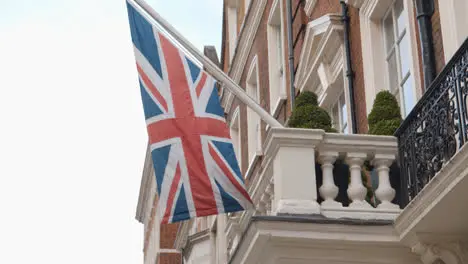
(385, 117)
(306, 98)
(307, 114)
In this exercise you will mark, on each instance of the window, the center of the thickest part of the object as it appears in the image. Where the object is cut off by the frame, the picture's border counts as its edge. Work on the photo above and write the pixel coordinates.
(235, 135)
(253, 120)
(276, 59)
(340, 115)
(232, 27)
(398, 56)
(388, 38)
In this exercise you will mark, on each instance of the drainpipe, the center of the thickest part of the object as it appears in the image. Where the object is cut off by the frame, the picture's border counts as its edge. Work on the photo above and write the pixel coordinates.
(349, 69)
(289, 21)
(424, 11)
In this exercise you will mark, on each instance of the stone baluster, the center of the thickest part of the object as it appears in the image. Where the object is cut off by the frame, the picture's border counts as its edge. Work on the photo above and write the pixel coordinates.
(385, 193)
(356, 190)
(328, 190)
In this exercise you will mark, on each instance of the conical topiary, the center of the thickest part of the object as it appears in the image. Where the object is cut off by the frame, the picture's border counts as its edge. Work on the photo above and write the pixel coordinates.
(307, 114)
(385, 117)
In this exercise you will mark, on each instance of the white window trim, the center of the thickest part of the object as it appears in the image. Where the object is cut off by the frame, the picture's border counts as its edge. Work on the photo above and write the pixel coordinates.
(235, 124)
(371, 15)
(273, 61)
(244, 45)
(247, 6)
(253, 74)
(454, 25)
(309, 6)
(321, 65)
(251, 167)
(232, 27)
(348, 116)
(324, 37)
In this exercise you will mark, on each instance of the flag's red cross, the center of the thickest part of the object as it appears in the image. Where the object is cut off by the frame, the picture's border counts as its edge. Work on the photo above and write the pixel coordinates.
(189, 128)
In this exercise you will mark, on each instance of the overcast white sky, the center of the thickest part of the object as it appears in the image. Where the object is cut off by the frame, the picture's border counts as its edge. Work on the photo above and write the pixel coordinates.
(72, 132)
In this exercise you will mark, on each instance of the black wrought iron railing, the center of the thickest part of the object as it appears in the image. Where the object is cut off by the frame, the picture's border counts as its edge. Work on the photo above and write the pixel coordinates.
(436, 128)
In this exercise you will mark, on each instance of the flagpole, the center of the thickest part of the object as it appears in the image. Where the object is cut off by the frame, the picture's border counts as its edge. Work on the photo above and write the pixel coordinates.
(210, 67)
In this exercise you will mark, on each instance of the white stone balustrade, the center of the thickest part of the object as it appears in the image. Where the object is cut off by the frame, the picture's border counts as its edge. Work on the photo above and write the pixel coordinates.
(292, 154)
(286, 184)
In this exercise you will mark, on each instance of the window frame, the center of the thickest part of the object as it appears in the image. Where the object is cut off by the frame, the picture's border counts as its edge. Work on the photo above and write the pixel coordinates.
(235, 125)
(253, 85)
(372, 42)
(338, 120)
(276, 57)
(398, 39)
(231, 10)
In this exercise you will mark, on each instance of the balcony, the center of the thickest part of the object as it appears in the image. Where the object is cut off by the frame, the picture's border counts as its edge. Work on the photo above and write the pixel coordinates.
(309, 191)
(312, 206)
(433, 160)
(310, 200)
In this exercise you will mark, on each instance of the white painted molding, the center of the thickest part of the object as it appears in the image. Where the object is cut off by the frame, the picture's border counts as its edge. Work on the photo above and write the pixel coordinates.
(253, 69)
(454, 24)
(297, 207)
(275, 62)
(194, 239)
(371, 14)
(182, 234)
(270, 241)
(291, 137)
(234, 116)
(145, 186)
(321, 59)
(309, 6)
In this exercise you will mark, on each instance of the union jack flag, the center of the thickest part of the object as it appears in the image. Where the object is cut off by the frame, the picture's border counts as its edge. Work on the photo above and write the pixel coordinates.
(196, 169)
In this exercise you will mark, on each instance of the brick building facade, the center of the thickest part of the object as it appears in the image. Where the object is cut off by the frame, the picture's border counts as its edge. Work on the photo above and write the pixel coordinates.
(385, 54)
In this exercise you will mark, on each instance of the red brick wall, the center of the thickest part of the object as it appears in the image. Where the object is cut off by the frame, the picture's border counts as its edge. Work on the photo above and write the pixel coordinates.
(358, 69)
(328, 7)
(168, 235)
(169, 258)
(324, 7)
(437, 37)
(259, 49)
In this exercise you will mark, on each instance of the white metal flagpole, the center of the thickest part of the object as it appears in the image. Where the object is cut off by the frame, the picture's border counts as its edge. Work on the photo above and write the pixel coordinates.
(210, 66)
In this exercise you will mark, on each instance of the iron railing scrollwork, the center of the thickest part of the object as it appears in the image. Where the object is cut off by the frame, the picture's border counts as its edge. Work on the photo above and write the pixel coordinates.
(436, 128)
